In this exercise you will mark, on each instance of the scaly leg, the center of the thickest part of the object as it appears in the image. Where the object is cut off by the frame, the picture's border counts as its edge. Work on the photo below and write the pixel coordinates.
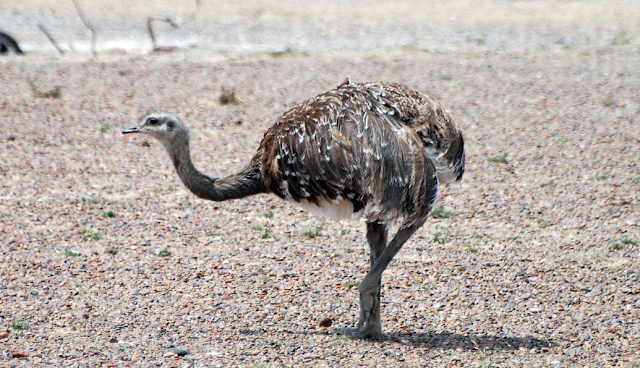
(369, 325)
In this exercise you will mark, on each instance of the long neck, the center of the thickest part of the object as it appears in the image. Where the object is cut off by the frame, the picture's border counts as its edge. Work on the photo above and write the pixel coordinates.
(245, 183)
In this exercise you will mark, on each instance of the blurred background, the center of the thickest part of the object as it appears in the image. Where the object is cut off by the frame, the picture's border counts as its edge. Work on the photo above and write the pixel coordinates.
(231, 28)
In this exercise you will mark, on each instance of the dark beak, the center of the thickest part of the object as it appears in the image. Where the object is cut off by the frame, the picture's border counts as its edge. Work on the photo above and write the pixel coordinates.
(131, 130)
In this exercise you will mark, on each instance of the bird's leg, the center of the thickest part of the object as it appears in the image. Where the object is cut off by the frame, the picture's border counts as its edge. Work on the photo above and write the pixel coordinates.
(369, 325)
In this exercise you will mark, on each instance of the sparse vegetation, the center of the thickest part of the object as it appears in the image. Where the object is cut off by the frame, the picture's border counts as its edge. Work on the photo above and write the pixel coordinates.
(55, 92)
(345, 231)
(628, 241)
(266, 234)
(440, 212)
(89, 200)
(131, 94)
(162, 253)
(617, 246)
(69, 253)
(409, 47)
(478, 40)
(19, 325)
(430, 286)
(112, 251)
(470, 248)
(269, 214)
(256, 228)
(462, 267)
(601, 177)
(542, 223)
(445, 76)
(213, 234)
(476, 236)
(609, 103)
(348, 250)
(89, 234)
(104, 127)
(350, 284)
(313, 233)
(285, 52)
(500, 158)
(169, 189)
(635, 178)
(438, 239)
(109, 214)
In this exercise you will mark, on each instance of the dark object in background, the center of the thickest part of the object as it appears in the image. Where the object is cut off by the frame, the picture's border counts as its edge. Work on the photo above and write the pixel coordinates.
(7, 44)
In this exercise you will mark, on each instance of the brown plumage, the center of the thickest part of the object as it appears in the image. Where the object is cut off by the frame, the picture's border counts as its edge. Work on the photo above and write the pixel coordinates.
(375, 150)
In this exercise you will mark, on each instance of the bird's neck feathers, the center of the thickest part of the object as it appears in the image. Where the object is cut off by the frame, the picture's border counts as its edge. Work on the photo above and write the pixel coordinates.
(245, 183)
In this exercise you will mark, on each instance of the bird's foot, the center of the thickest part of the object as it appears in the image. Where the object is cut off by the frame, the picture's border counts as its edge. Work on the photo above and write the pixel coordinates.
(369, 332)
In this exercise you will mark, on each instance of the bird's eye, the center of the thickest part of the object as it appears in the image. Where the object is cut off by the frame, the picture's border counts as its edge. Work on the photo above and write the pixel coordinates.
(152, 121)
(169, 127)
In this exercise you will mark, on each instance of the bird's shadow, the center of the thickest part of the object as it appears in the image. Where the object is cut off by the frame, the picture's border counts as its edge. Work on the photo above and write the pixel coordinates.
(441, 340)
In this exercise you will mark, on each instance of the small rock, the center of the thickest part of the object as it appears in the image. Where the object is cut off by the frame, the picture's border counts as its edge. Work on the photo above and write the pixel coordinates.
(178, 352)
(4, 335)
(113, 340)
(325, 322)
(170, 354)
(18, 354)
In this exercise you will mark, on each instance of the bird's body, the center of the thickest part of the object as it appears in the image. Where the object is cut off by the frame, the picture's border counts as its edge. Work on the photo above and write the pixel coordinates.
(375, 150)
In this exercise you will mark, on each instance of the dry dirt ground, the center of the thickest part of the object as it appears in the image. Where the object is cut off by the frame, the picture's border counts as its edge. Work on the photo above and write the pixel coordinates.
(531, 261)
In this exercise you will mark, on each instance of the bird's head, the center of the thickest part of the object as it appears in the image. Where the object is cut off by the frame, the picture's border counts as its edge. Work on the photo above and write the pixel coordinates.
(163, 126)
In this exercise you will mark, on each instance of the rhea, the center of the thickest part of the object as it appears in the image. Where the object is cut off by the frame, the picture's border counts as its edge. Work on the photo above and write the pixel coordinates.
(371, 150)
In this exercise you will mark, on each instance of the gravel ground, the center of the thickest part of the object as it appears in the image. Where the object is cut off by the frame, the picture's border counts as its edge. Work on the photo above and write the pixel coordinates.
(107, 260)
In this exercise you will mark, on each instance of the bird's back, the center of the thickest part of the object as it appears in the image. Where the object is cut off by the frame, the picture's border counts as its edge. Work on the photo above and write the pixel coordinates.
(356, 149)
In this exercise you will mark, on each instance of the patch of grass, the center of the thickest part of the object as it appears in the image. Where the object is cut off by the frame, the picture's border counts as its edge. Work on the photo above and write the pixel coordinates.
(104, 127)
(629, 241)
(90, 303)
(500, 158)
(265, 279)
(345, 231)
(162, 253)
(600, 177)
(266, 234)
(112, 251)
(313, 233)
(213, 234)
(89, 234)
(469, 248)
(542, 223)
(440, 212)
(55, 92)
(609, 103)
(617, 246)
(438, 239)
(478, 40)
(403, 267)
(269, 214)
(89, 200)
(419, 249)
(621, 38)
(348, 250)
(285, 52)
(445, 76)
(131, 94)
(19, 325)
(409, 47)
(170, 189)
(429, 286)
(304, 284)
(256, 227)
(109, 214)
(462, 267)
(635, 179)
(350, 283)
(516, 239)
(476, 236)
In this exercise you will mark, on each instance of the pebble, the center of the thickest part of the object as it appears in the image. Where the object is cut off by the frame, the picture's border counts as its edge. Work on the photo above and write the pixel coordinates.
(18, 354)
(4, 335)
(325, 322)
(178, 352)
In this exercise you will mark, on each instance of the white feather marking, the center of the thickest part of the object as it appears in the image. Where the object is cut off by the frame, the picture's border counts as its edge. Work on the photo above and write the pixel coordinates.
(338, 209)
